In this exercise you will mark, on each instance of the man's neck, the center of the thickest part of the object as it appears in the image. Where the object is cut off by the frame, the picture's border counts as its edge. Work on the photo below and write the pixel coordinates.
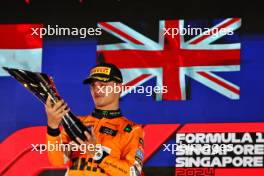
(109, 114)
(109, 107)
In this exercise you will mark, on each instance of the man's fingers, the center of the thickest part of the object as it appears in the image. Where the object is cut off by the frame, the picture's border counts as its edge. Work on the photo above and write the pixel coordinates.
(92, 130)
(67, 110)
(73, 143)
(63, 112)
(62, 108)
(88, 136)
(93, 134)
(58, 105)
(48, 102)
(79, 140)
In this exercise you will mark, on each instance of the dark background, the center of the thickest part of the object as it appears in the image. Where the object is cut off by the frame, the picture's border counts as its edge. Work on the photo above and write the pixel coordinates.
(85, 11)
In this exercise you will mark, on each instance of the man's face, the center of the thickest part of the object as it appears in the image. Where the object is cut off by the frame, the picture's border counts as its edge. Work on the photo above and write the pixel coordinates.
(105, 93)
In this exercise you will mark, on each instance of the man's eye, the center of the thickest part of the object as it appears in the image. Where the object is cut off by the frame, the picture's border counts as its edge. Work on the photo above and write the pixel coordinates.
(103, 84)
(91, 84)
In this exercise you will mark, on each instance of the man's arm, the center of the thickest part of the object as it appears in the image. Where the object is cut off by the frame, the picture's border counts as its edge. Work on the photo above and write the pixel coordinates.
(131, 164)
(57, 154)
(56, 136)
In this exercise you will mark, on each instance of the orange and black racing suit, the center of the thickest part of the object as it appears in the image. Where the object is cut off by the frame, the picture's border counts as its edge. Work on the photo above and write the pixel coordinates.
(121, 140)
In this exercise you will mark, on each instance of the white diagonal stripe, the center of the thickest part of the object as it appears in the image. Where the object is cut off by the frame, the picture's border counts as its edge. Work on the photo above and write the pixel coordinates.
(26, 59)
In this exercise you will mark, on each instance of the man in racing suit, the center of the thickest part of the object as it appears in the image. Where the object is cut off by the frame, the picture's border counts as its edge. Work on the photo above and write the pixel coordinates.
(115, 146)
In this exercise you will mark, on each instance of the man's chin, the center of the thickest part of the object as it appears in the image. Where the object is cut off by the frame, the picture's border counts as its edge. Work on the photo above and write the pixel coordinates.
(99, 103)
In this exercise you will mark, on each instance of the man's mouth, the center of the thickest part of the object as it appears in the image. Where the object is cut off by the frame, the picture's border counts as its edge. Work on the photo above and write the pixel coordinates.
(96, 95)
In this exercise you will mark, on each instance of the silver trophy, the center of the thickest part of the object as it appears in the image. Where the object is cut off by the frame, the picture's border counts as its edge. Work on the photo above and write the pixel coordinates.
(42, 85)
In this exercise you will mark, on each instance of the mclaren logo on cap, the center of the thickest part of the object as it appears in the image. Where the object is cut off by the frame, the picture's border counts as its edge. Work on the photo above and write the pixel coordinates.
(101, 70)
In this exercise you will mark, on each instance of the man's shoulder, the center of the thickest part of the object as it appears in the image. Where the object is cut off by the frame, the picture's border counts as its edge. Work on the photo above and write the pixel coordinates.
(86, 119)
(122, 122)
(129, 125)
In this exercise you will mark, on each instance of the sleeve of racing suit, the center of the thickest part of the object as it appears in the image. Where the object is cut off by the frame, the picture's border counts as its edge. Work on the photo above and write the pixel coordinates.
(56, 137)
(131, 164)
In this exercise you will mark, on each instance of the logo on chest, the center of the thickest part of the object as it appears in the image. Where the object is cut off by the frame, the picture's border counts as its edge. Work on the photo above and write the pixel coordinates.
(107, 130)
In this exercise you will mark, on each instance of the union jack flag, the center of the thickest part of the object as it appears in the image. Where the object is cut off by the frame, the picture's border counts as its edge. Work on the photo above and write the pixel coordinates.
(173, 58)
